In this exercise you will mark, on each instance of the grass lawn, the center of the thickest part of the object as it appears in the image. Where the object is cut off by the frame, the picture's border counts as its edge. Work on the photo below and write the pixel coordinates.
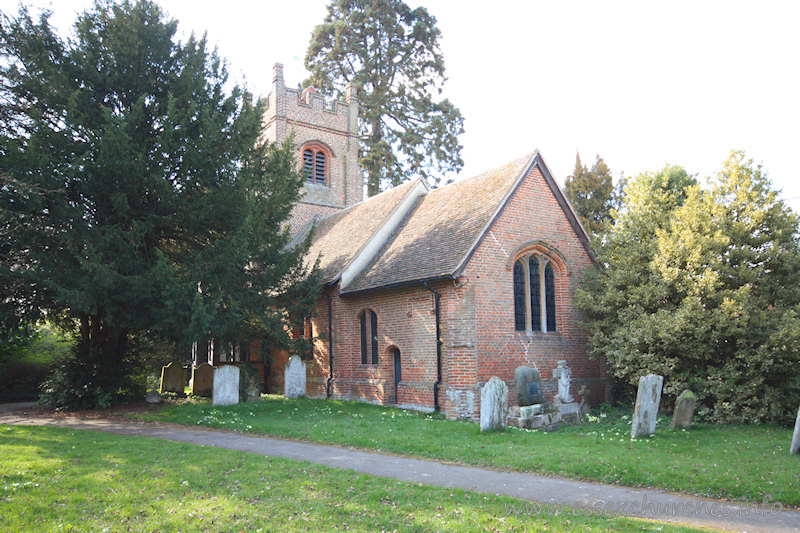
(61, 479)
(750, 463)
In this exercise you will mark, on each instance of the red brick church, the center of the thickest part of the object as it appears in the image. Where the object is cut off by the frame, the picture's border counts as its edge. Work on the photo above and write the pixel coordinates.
(429, 293)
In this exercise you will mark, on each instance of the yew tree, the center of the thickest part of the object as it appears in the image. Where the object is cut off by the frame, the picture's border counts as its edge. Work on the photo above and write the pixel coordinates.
(391, 54)
(137, 194)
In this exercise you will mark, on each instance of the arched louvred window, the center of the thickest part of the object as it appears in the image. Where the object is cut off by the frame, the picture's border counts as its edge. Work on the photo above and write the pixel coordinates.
(369, 337)
(315, 164)
(308, 164)
(519, 296)
(550, 296)
(319, 168)
(536, 291)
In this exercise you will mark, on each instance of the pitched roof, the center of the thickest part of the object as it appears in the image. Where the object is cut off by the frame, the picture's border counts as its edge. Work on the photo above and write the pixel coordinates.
(441, 229)
(409, 235)
(340, 237)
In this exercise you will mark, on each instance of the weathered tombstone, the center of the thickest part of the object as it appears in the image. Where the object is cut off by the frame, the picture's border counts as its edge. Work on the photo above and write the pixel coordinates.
(494, 405)
(226, 385)
(294, 378)
(173, 378)
(529, 386)
(647, 399)
(152, 396)
(584, 408)
(684, 410)
(203, 380)
(564, 375)
(249, 383)
(795, 447)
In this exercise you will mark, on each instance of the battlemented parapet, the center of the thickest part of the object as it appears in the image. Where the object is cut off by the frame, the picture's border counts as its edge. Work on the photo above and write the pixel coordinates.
(326, 137)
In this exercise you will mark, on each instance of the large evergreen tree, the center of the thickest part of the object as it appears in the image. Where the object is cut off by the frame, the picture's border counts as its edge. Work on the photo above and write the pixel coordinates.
(390, 52)
(702, 286)
(137, 194)
(592, 194)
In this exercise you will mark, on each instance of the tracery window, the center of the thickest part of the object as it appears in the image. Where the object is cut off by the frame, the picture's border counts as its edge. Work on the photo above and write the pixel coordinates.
(534, 294)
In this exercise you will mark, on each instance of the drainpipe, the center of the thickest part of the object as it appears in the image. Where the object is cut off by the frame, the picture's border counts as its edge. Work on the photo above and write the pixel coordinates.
(330, 346)
(436, 297)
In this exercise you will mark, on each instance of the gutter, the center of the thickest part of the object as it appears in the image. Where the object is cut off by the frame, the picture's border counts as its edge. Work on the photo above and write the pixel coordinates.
(436, 297)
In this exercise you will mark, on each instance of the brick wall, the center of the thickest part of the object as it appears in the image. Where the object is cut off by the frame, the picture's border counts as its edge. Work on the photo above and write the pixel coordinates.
(477, 322)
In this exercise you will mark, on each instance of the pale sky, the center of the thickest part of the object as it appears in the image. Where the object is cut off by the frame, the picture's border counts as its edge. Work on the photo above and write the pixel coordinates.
(639, 83)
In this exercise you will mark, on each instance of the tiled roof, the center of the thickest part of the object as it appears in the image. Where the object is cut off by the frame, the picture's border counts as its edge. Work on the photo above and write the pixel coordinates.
(440, 230)
(339, 237)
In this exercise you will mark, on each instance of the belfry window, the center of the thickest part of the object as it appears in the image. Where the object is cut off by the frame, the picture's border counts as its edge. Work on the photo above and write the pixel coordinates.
(315, 165)
(369, 337)
(534, 294)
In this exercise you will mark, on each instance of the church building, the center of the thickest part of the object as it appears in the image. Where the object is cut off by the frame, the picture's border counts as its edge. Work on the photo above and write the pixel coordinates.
(429, 293)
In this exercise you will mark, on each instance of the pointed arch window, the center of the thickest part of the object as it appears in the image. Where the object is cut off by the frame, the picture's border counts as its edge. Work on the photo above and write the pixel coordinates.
(534, 294)
(315, 164)
(368, 321)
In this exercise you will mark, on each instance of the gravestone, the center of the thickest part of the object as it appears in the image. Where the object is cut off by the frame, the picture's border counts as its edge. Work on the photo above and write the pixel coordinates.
(564, 374)
(647, 399)
(529, 386)
(584, 408)
(294, 378)
(494, 405)
(795, 447)
(249, 383)
(152, 396)
(173, 378)
(684, 410)
(226, 385)
(203, 380)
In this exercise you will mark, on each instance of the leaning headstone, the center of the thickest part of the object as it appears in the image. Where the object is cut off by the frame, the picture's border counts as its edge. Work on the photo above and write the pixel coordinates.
(294, 378)
(226, 385)
(684, 410)
(647, 399)
(173, 378)
(529, 386)
(249, 383)
(795, 447)
(494, 405)
(152, 396)
(203, 380)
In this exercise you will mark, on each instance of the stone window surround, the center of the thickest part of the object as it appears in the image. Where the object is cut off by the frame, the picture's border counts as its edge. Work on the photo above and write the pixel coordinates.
(546, 255)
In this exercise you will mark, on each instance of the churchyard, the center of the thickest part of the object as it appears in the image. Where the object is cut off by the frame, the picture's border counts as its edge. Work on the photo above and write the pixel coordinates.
(743, 462)
(60, 479)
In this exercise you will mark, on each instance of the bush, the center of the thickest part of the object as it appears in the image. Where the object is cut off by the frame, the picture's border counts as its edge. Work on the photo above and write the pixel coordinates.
(85, 381)
(27, 358)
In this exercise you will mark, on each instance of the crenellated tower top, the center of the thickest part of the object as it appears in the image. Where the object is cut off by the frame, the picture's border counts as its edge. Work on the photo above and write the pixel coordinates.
(326, 137)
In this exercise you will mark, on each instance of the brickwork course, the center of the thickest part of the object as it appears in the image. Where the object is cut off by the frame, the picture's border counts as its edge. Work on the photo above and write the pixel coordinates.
(394, 254)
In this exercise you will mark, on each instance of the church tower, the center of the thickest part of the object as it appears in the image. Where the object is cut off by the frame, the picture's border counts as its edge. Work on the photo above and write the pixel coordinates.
(326, 140)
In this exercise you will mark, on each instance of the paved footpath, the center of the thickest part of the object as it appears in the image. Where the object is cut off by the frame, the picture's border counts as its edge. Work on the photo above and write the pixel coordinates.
(581, 496)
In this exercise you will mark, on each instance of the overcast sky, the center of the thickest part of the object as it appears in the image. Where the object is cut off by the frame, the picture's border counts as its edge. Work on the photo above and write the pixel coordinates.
(639, 83)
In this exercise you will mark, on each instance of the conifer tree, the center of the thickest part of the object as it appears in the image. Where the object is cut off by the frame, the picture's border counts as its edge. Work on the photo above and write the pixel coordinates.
(591, 193)
(137, 194)
(391, 53)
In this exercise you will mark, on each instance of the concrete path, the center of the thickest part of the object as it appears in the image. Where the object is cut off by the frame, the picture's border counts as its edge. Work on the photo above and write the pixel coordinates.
(580, 496)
